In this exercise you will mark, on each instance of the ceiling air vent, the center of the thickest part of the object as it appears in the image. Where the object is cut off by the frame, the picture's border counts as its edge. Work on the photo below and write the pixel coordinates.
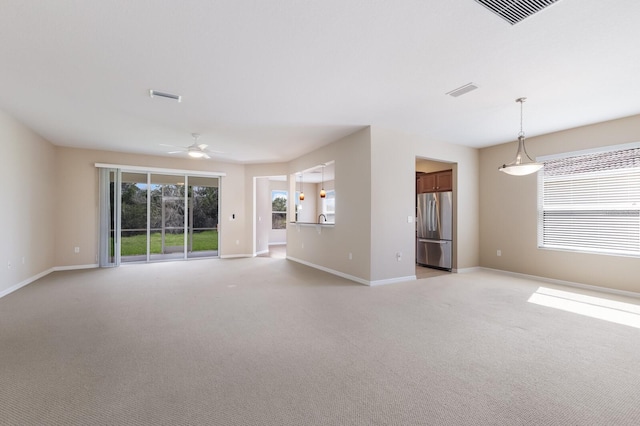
(153, 93)
(514, 11)
(462, 90)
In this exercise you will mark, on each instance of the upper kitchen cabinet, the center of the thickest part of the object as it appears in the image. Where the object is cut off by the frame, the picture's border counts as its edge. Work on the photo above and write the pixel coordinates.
(435, 182)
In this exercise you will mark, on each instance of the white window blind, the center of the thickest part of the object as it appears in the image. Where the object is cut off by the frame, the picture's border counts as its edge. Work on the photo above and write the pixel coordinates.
(591, 202)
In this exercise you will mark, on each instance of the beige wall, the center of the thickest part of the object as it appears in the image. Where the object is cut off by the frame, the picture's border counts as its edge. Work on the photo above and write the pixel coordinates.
(375, 197)
(393, 201)
(508, 212)
(28, 210)
(329, 247)
(310, 203)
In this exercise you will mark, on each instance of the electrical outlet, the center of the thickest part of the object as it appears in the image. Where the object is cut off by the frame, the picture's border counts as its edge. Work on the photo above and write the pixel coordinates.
(9, 264)
(350, 256)
(499, 253)
(76, 250)
(399, 256)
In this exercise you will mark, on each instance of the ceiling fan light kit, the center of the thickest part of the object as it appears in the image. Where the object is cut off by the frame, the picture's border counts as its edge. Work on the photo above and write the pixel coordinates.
(194, 150)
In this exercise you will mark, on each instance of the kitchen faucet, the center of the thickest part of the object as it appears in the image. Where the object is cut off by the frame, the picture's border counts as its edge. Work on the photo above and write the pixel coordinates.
(322, 215)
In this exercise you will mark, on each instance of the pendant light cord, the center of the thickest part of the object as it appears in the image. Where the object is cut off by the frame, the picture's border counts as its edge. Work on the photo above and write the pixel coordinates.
(521, 100)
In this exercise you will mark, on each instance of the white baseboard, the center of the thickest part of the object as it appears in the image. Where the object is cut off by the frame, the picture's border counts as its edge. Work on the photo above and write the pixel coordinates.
(353, 277)
(258, 253)
(393, 280)
(331, 271)
(466, 270)
(74, 267)
(278, 244)
(43, 274)
(235, 256)
(25, 282)
(566, 283)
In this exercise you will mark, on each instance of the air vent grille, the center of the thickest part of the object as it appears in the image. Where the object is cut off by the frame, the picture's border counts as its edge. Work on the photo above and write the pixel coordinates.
(462, 90)
(514, 11)
(153, 93)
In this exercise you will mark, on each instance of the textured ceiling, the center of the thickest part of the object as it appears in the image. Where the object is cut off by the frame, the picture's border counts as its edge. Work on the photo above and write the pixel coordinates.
(266, 81)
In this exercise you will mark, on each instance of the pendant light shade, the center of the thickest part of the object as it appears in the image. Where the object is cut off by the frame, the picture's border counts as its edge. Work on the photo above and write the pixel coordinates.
(523, 164)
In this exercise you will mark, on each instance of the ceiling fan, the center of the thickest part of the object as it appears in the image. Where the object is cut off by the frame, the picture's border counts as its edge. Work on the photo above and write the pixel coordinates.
(194, 150)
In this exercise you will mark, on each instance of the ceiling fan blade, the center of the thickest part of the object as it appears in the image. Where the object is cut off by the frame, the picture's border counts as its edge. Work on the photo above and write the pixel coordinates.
(203, 146)
(174, 152)
(173, 146)
(206, 156)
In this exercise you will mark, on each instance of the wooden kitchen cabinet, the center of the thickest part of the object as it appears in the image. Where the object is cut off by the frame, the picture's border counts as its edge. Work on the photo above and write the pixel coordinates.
(435, 182)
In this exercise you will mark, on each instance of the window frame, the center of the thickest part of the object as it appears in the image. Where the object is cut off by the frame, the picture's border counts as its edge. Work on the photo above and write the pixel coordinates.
(599, 209)
(275, 193)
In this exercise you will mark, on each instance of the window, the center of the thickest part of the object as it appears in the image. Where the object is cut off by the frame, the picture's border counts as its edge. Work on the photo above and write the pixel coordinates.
(589, 201)
(156, 214)
(278, 209)
(329, 206)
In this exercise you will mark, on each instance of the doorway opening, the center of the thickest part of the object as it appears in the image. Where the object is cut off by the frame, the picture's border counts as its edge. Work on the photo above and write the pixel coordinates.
(435, 206)
(271, 200)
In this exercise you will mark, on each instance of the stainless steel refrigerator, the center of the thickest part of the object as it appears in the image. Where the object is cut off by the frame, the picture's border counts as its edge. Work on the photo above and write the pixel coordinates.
(434, 229)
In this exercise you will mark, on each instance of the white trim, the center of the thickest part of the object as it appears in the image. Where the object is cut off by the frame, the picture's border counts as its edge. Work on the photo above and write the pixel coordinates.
(262, 252)
(159, 170)
(331, 271)
(284, 243)
(467, 270)
(25, 282)
(568, 283)
(392, 280)
(352, 277)
(235, 256)
(74, 267)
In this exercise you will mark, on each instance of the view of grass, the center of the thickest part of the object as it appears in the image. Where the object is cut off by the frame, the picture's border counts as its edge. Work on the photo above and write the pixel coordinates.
(137, 244)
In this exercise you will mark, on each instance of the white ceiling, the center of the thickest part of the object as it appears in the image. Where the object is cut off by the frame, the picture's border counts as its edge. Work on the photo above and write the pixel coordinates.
(266, 81)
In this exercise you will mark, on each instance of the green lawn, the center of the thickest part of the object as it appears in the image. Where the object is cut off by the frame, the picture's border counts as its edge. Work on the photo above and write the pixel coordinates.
(137, 244)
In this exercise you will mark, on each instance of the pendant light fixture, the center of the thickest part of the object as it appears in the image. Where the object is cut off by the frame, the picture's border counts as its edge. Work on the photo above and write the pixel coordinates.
(523, 164)
(323, 193)
(301, 197)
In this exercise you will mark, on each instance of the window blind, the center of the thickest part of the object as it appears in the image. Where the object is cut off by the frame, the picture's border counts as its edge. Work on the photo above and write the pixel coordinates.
(591, 202)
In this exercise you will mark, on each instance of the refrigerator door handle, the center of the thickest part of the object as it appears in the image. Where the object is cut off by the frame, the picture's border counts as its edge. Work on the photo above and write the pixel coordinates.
(432, 214)
(424, 240)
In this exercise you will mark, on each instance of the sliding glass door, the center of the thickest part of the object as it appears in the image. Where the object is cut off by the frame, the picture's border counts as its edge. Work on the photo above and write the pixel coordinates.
(203, 217)
(133, 217)
(167, 217)
(153, 216)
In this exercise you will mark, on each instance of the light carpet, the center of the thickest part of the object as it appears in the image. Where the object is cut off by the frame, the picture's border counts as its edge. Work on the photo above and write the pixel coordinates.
(266, 341)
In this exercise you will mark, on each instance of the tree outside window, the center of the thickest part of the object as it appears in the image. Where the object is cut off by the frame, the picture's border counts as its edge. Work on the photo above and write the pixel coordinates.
(278, 209)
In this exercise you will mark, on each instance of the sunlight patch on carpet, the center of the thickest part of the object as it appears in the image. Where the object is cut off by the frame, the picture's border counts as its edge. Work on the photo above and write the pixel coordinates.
(594, 307)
